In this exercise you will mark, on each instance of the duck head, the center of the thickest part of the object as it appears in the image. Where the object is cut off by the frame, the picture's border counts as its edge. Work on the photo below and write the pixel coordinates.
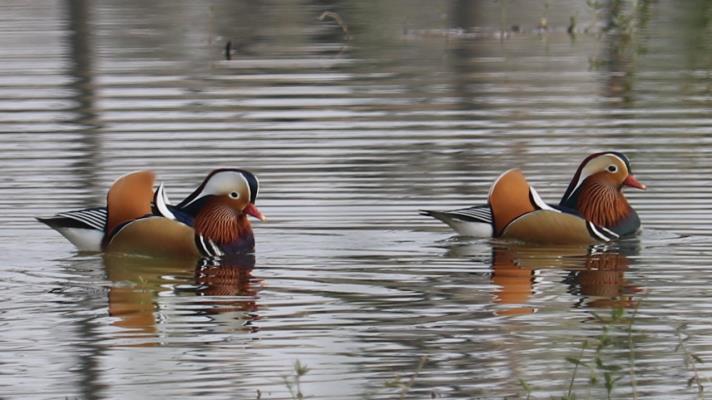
(220, 205)
(595, 190)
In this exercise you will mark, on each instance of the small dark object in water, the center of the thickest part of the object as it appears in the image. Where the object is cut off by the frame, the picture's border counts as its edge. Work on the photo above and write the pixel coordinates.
(337, 18)
(516, 28)
(227, 50)
(572, 25)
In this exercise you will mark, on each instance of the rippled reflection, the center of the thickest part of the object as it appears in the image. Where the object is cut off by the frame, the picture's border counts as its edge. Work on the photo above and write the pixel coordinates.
(138, 283)
(595, 274)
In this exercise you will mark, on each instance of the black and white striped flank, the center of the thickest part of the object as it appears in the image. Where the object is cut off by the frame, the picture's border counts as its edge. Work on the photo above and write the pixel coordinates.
(481, 213)
(94, 218)
(207, 247)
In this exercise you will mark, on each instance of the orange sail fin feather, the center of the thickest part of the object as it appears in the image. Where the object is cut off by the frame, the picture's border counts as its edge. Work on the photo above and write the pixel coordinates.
(129, 198)
(509, 199)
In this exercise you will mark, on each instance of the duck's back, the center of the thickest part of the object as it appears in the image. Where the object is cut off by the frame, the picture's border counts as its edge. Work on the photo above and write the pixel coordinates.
(509, 199)
(132, 227)
(519, 213)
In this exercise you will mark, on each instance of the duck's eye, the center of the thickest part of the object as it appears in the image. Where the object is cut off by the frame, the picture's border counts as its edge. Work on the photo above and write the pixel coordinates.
(612, 169)
(234, 195)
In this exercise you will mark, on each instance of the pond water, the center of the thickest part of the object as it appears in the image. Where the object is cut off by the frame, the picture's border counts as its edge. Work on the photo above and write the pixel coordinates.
(412, 104)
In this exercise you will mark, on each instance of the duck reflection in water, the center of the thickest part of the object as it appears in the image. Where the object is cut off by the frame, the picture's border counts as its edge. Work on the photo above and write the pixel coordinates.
(596, 274)
(601, 282)
(139, 284)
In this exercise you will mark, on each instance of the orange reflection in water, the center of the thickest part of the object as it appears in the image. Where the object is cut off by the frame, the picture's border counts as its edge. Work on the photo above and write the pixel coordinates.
(137, 281)
(597, 274)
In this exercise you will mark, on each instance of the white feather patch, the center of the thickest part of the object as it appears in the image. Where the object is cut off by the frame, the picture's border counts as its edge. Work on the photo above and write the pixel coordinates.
(83, 239)
(161, 200)
(539, 202)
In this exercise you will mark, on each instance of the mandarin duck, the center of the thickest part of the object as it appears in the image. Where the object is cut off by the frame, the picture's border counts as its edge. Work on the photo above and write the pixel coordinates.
(593, 208)
(211, 221)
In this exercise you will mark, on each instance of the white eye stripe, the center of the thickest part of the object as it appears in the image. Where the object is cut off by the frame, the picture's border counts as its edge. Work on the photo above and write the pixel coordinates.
(589, 170)
(612, 168)
(247, 186)
(223, 183)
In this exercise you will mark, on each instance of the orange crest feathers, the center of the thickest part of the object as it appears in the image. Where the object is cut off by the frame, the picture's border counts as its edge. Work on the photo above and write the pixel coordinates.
(129, 198)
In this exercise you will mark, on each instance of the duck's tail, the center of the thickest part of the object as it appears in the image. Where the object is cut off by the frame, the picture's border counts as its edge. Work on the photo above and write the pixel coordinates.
(473, 221)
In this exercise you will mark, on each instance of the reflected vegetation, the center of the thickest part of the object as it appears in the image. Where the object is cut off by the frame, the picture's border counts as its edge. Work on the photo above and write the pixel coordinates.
(81, 70)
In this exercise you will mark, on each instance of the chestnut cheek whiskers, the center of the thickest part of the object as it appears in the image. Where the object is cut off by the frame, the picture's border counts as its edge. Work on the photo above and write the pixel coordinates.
(221, 224)
(602, 204)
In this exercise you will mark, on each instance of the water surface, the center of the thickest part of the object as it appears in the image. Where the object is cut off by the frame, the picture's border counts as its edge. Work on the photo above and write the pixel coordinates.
(418, 105)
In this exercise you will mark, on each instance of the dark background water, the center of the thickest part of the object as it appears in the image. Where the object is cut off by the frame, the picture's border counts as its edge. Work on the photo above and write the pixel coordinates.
(419, 104)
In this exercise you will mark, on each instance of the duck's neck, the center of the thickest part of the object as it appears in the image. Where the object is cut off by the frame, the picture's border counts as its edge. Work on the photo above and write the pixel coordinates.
(225, 226)
(601, 204)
